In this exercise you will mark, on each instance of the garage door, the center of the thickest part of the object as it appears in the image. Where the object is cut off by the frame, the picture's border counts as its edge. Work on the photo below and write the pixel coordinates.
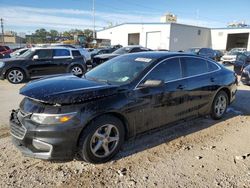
(239, 40)
(154, 40)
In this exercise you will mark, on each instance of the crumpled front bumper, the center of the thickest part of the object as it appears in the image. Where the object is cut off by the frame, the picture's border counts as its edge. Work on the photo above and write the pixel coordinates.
(44, 142)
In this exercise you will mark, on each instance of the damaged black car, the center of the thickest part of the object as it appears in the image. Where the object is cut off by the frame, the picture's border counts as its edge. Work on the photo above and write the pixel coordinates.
(91, 116)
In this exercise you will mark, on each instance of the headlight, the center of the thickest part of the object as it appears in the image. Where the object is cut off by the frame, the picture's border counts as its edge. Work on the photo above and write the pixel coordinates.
(2, 64)
(50, 119)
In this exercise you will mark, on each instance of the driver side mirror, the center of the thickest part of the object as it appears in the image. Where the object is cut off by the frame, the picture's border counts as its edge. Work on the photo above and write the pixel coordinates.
(152, 83)
(35, 57)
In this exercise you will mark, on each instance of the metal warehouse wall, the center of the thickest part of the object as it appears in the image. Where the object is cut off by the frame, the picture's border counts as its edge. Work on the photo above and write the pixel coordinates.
(119, 34)
(183, 37)
(219, 37)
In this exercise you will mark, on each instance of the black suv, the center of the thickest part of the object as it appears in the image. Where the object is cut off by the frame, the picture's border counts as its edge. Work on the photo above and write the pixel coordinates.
(40, 62)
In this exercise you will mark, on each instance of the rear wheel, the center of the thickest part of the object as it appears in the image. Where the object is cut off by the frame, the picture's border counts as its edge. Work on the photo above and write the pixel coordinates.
(101, 140)
(77, 70)
(15, 76)
(219, 106)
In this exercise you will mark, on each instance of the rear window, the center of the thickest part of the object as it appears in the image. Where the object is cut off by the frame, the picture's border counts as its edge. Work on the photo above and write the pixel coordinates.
(167, 71)
(60, 52)
(76, 53)
(212, 66)
(193, 66)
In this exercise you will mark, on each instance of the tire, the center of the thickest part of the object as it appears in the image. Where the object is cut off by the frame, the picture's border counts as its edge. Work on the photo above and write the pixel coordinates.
(77, 70)
(219, 106)
(94, 139)
(15, 76)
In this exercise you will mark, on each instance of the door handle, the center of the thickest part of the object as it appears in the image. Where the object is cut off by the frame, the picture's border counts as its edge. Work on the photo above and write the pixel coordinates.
(181, 87)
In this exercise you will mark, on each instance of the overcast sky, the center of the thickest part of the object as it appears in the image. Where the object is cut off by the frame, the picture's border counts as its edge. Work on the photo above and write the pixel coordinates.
(28, 15)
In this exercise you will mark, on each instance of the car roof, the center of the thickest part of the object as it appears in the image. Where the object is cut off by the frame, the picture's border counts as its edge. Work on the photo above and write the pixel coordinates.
(160, 55)
(52, 47)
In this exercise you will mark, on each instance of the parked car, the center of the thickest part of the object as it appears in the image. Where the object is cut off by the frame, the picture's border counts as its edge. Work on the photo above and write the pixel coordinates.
(205, 52)
(245, 76)
(99, 59)
(93, 115)
(230, 57)
(209, 53)
(100, 51)
(5, 52)
(242, 61)
(40, 62)
(19, 52)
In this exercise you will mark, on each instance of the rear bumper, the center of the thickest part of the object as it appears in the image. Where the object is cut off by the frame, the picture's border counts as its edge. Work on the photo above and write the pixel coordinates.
(54, 142)
(228, 61)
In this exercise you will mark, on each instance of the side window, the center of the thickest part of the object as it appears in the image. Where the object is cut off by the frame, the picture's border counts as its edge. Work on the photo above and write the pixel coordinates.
(211, 66)
(60, 52)
(76, 53)
(167, 71)
(193, 66)
(44, 54)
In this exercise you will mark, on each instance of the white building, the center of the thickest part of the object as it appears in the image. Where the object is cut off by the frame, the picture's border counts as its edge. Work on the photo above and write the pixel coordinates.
(228, 38)
(169, 36)
(175, 37)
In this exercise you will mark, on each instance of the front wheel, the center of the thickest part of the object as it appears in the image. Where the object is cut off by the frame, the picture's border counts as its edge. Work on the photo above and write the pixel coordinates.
(101, 140)
(219, 106)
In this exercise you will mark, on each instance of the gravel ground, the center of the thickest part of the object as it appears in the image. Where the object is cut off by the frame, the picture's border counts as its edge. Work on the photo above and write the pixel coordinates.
(197, 153)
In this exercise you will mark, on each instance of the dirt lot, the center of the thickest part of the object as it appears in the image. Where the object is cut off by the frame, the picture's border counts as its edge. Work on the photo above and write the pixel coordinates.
(197, 153)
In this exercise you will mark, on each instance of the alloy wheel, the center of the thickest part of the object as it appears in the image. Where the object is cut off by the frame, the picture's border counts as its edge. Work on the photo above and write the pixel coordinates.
(220, 105)
(15, 76)
(76, 70)
(104, 141)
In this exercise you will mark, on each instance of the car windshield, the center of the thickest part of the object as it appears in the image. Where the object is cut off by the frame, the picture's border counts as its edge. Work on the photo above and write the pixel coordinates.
(123, 50)
(120, 70)
(26, 54)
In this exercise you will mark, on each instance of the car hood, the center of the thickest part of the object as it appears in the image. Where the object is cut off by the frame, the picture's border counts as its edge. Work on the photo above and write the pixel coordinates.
(67, 89)
(106, 56)
(12, 59)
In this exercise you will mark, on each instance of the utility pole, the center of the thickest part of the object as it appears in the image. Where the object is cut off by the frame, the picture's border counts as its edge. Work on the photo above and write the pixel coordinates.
(2, 30)
(93, 8)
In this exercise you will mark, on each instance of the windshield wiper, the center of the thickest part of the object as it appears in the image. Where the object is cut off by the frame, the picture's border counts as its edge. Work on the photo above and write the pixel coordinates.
(99, 80)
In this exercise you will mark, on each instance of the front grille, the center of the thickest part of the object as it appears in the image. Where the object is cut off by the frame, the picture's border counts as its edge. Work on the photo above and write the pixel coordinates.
(17, 131)
(16, 128)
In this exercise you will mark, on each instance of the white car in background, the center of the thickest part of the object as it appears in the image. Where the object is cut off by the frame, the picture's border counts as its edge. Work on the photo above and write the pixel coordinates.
(231, 56)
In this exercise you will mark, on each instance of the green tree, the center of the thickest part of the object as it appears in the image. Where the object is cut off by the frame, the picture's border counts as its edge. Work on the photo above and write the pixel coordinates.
(40, 36)
(88, 34)
(53, 34)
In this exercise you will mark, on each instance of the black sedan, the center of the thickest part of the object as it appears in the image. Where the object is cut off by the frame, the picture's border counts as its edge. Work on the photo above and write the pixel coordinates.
(93, 115)
(99, 59)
